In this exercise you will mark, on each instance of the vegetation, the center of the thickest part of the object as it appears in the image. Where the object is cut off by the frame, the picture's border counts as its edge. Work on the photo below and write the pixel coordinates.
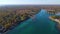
(56, 17)
(12, 17)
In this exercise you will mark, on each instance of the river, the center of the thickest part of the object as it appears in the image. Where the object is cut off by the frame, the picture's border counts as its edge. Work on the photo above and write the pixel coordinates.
(40, 25)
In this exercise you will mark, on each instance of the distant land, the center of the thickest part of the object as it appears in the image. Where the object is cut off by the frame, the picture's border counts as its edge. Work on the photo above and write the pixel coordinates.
(31, 6)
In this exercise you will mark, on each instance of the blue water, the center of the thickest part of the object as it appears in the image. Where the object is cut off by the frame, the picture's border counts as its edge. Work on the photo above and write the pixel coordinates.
(40, 25)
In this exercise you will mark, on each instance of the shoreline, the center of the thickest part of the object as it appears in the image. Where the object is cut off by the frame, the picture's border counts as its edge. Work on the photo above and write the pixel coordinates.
(56, 20)
(57, 23)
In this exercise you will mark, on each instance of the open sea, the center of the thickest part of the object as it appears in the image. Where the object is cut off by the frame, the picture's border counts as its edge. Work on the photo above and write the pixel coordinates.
(41, 24)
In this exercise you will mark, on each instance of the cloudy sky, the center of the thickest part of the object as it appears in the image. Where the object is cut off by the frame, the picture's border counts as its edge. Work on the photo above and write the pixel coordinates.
(6, 2)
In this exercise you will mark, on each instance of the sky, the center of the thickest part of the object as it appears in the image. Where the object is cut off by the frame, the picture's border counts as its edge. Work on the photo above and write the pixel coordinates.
(22, 2)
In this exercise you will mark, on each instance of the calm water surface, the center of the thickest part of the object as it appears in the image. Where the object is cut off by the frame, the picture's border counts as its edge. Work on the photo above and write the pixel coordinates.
(40, 25)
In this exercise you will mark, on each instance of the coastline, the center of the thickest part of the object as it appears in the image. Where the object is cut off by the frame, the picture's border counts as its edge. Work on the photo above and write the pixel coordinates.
(56, 20)
(57, 23)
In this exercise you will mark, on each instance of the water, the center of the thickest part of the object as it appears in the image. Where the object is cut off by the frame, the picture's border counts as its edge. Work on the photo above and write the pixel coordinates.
(40, 25)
